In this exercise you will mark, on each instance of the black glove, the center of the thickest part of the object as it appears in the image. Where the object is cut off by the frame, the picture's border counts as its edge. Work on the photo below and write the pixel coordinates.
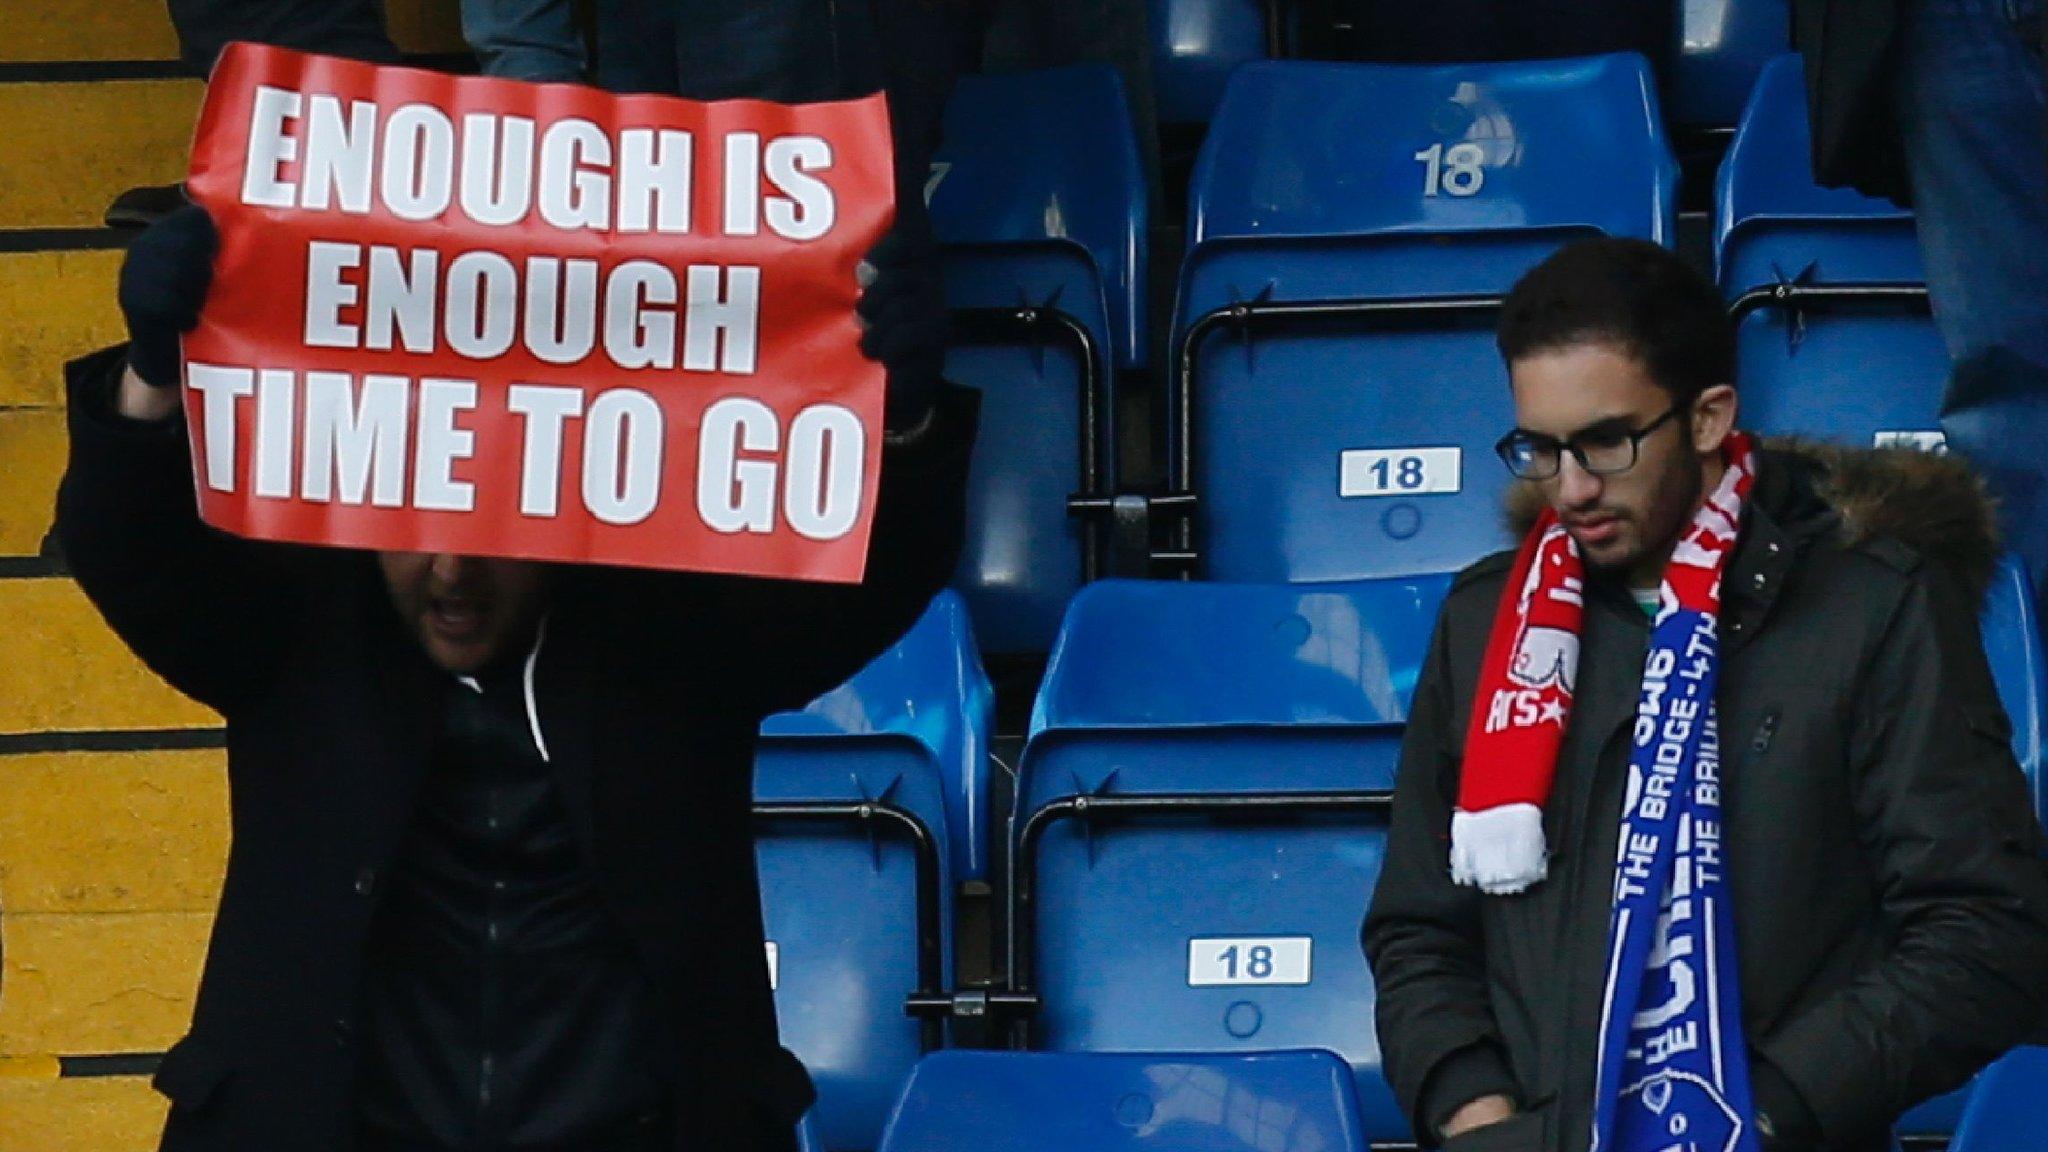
(902, 309)
(163, 283)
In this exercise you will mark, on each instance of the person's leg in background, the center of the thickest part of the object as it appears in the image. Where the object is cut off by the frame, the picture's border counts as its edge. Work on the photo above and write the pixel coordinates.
(525, 39)
(1028, 34)
(636, 46)
(352, 28)
(1973, 115)
(1970, 105)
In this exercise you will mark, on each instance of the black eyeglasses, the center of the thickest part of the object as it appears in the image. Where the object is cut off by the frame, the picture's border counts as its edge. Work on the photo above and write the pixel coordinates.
(1601, 451)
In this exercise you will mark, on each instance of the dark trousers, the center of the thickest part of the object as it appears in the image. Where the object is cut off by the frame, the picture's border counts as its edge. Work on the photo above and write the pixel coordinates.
(647, 1134)
(798, 51)
(1459, 31)
(353, 28)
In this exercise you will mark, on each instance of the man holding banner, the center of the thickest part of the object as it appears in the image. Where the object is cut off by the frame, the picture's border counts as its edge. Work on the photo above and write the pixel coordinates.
(571, 397)
(1708, 836)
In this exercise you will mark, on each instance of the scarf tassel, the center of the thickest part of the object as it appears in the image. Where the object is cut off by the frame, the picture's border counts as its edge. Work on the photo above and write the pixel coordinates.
(1501, 851)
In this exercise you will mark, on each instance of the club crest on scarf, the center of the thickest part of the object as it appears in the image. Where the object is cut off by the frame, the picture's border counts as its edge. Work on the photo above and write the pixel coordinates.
(1673, 1071)
(1546, 652)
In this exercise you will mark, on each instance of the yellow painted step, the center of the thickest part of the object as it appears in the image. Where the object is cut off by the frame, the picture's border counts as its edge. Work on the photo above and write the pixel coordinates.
(32, 448)
(54, 307)
(62, 670)
(87, 832)
(70, 148)
(98, 982)
(90, 1114)
(46, 30)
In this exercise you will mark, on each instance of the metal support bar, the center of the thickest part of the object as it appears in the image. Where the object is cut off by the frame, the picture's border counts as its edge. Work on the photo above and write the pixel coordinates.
(1276, 29)
(1410, 312)
(931, 979)
(1794, 297)
(1024, 325)
(974, 1004)
(1022, 956)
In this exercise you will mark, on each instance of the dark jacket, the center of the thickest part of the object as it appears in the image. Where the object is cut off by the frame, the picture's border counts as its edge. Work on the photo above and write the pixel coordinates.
(1891, 906)
(649, 690)
(1851, 49)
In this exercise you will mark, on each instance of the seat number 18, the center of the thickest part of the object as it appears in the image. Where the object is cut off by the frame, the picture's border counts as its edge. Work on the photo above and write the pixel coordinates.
(1453, 171)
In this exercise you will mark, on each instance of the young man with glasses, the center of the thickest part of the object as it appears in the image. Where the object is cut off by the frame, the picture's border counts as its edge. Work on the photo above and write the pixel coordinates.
(1707, 832)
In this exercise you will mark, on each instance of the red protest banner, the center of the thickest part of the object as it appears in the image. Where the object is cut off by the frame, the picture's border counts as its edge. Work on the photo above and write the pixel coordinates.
(453, 314)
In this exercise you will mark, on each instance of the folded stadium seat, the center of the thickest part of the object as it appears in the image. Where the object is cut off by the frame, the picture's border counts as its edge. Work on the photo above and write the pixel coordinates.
(1352, 229)
(1722, 46)
(1835, 334)
(1201, 818)
(1039, 201)
(2009, 1112)
(869, 809)
(1040, 1102)
(1195, 44)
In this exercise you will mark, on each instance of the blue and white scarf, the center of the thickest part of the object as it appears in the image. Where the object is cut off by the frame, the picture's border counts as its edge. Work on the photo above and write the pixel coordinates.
(1673, 1065)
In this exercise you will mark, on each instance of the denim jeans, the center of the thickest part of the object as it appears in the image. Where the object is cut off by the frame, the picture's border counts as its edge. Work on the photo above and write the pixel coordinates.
(1971, 107)
(525, 39)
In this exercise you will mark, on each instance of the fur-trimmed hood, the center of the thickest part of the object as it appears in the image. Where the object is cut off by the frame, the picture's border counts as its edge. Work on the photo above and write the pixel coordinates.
(1934, 504)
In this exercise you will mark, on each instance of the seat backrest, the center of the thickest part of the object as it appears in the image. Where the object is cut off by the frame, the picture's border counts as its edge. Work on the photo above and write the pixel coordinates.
(1039, 1102)
(2009, 1110)
(927, 695)
(1834, 337)
(1202, 811)
(1043, 227)
(1356, 443)
(1048, 159)
(1195, 44)
(1321, 152)
(870, 805)
(1722, 46)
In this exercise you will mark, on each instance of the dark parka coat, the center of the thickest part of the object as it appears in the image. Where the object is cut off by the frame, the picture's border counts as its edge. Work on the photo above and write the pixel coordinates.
(1891, 904)
(649, 689)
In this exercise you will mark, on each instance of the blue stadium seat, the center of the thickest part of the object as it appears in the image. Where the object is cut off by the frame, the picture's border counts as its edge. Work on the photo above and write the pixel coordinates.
(869, 807)
(1722, 46)
(1040, 203)
(1195, 44)
(1039, 1102)
(1835, 337)
(1352, 230)
(2009, 1112)
(1201, 816)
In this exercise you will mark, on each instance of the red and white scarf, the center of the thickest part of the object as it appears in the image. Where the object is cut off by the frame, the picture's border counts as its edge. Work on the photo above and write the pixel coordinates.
(1524, 702)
